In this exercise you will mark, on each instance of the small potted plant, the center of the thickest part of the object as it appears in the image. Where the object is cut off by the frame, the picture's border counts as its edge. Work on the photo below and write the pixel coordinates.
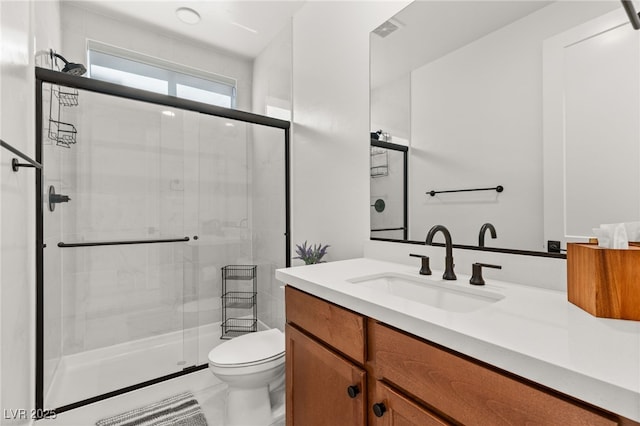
(309, 254)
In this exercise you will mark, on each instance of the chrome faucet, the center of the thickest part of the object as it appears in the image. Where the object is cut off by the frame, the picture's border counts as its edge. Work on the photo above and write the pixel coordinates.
(483, 231)
(448, 260)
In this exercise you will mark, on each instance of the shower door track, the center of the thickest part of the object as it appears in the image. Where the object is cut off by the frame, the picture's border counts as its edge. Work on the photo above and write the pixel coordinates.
(102, 87)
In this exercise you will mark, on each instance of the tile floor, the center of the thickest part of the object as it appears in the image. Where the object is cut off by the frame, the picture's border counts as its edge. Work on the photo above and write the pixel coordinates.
(207, 389)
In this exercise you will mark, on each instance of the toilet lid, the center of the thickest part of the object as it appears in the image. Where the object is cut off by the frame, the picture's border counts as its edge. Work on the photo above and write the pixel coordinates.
(249, 348)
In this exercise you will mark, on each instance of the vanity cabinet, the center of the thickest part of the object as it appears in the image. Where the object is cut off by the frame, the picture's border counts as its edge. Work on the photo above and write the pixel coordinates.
(403, 380)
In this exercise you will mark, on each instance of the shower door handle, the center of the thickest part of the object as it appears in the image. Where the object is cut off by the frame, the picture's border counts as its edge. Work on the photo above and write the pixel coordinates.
(119, 243)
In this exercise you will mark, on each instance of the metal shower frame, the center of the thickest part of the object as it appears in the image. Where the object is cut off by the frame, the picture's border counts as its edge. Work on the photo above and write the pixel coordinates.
(96, 86)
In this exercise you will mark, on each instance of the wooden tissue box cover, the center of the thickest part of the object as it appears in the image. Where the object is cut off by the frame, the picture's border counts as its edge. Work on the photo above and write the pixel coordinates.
(604, 282)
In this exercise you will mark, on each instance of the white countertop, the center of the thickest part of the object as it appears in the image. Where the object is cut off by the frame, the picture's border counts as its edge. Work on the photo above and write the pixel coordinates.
(532, 332)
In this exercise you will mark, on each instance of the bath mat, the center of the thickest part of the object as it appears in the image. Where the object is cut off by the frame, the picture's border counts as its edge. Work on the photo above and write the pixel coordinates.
(181, 410)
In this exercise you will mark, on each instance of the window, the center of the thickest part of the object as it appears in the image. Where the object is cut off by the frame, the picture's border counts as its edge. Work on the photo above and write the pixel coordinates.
(133, 69)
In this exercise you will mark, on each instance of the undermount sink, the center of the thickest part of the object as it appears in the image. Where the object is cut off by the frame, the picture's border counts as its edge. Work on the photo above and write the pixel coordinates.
(443, 295)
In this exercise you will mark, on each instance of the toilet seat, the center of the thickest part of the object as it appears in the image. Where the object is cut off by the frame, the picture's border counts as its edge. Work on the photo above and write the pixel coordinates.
(248, 350)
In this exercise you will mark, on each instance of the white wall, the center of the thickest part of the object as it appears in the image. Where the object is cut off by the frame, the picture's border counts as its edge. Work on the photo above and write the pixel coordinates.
(330, 129)
(272, 77)
(79, 25)
(391, 107)
(27, 28)
(330, 144)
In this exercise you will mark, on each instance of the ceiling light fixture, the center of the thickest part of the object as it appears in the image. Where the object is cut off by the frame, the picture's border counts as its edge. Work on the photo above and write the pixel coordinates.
(188, 15)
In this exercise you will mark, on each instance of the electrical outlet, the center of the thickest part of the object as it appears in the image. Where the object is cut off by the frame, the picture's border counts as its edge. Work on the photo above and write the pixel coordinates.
(553, 246)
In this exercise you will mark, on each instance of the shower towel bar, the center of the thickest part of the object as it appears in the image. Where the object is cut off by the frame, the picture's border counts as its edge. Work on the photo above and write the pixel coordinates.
(388, 229)
(14, 163)
(119, 243)
(498, 188)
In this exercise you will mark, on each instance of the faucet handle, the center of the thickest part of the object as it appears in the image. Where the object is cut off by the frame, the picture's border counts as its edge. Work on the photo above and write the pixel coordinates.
(476, 276)
(424, 269)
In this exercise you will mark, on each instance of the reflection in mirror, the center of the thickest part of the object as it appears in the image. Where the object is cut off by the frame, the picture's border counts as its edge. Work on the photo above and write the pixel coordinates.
(529, 95)
(388, 190)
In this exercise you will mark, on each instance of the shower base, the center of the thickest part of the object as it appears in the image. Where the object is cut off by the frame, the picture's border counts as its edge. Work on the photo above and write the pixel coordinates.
(96, 372)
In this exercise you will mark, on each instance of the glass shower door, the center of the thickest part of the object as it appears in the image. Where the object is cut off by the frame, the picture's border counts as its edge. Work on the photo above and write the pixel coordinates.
(116, 263)
(241, 225)
(143, 205)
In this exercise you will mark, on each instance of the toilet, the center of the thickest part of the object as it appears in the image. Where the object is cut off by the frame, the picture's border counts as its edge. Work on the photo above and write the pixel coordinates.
(249, 364)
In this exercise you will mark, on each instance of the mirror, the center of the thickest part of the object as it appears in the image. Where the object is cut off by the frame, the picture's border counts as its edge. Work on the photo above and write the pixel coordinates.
(529, 96)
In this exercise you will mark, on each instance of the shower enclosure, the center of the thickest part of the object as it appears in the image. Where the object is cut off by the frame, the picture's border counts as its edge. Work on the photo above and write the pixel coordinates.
(389, 190)
(137, 216)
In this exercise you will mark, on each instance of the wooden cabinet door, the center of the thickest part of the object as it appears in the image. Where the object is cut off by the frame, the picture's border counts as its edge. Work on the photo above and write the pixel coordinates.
(318, 382)
(394, 409)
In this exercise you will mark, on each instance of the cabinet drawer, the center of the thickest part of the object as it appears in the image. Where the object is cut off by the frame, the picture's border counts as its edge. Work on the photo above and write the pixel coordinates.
(466, 391)
(339, 328)
(399, 410)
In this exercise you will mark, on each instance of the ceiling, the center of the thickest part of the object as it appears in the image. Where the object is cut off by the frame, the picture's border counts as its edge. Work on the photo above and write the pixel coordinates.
(242, 27)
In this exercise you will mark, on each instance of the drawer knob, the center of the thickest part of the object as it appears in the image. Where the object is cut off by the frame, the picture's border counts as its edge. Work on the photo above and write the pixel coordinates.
(379, 409)
(353, 391)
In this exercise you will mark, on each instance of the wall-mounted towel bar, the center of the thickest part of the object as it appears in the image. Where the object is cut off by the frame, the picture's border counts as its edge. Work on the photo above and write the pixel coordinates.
(388, 229)
(15, 165)
(498, 188)
(119, 243)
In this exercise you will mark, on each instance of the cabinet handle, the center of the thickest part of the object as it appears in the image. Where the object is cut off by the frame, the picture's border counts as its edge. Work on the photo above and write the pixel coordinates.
(353, 391)
(379, 409)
